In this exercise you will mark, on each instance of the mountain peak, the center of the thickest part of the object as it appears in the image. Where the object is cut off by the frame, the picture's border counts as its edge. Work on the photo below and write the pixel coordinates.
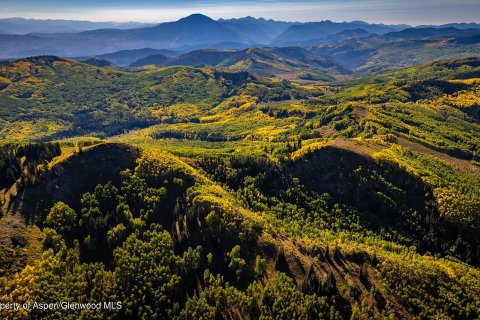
(197, 17)
(192, 30)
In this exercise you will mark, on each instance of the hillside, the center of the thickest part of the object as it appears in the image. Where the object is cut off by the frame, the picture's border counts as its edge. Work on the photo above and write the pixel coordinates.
(325, 276)
(286, 62)
(126, 57)
(401, 49)
(221, 194)
(98, 62)
(44, 97)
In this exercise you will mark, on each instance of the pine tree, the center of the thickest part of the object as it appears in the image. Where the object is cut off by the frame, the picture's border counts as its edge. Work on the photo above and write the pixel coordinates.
(329, 284)
(310, 284)
(364, 273)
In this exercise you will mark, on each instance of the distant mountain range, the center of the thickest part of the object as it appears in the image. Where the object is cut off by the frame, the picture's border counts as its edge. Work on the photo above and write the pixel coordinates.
(25, 26)
(463, 25)
(400, 49)
(353, 45)
(193, 29)
(314, 30)
(257, 30)
(430, 33)
(196, 31)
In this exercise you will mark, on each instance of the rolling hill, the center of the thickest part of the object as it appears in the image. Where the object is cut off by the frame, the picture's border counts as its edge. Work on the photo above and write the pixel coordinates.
(98, 62)
(224, 195)
(126, 57)
(400, 49)
(44, 97)
(288, 62)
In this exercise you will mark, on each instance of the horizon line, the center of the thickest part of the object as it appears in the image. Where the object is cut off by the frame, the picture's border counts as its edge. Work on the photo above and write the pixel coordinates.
(239, 18)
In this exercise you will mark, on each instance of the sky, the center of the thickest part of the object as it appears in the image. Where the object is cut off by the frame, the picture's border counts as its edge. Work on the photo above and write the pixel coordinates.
(414, 12)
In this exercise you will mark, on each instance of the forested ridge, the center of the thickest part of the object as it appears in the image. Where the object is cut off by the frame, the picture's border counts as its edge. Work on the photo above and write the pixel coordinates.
(200, 193)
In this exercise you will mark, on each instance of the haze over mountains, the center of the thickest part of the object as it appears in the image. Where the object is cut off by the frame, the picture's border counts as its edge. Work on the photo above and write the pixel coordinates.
(352, 46)
(25, 26)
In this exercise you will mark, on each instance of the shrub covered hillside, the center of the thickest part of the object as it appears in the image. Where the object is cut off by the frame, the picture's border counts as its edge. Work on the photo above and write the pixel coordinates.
(220, 195)
(47, 97)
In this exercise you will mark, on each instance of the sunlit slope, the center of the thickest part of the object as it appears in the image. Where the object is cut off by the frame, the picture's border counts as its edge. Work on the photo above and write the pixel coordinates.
(323, 268)
(252, 197)
(48, 97)
(434, 139)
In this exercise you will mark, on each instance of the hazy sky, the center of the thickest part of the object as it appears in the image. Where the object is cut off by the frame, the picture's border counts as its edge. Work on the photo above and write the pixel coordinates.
(388, 11)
